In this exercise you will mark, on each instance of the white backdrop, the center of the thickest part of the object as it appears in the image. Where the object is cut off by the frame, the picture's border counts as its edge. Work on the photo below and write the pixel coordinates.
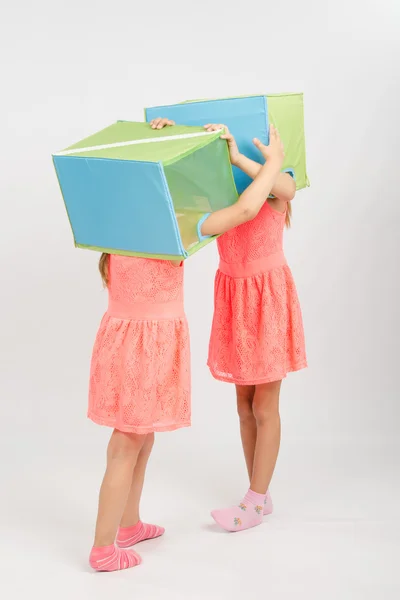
(72, 68)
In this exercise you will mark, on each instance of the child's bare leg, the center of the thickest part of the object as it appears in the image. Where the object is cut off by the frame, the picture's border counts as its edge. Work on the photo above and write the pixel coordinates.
(266, 413)
(260, 457)
(132, 530)
(248, 426)
(131, 512)
(122, 454)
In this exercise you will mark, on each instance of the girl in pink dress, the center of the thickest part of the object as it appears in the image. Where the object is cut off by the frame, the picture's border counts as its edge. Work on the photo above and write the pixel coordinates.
(257, 334)
(140, 371)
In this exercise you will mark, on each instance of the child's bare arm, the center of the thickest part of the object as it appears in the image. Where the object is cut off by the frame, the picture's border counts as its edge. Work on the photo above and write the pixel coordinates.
(253, 198)
(248, 205)
(284, 187)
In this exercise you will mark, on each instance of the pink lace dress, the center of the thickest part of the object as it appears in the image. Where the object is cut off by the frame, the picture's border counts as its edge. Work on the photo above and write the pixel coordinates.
(257, 332)
(140, 371)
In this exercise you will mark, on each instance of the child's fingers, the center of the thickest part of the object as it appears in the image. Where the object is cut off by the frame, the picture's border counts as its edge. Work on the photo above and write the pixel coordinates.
(213, 127)
(160, 123)
(155, 123)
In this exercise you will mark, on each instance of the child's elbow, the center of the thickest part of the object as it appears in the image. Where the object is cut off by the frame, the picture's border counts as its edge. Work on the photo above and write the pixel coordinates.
(291, 192)
(247, 214)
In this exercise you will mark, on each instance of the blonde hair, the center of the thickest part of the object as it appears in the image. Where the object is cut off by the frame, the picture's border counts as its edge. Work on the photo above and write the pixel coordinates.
(288, 218)
(103, 268)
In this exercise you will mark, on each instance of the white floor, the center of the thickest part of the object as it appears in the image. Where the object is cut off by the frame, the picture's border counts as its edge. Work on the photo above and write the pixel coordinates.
(335, 532)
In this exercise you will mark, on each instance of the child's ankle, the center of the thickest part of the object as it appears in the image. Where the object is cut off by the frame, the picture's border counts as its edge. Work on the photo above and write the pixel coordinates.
(125, 523)
(102, 541)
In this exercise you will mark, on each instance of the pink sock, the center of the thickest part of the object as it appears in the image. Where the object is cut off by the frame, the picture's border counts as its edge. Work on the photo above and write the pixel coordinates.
(248, 514)
(129, 536)
(268, 506)
(111, 558)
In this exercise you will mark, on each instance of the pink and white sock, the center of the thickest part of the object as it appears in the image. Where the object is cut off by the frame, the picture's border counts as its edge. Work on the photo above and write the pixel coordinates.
(248, 514)
(268, 506)
(129, 536)
(111, 558)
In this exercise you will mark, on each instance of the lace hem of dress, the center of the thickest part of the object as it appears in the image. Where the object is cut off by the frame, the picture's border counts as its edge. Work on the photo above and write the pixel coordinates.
(136, 429)
(270, 379)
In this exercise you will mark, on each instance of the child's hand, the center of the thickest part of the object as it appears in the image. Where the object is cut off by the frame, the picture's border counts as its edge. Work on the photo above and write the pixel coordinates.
(233, 149)
(274, 152)
(160, 123)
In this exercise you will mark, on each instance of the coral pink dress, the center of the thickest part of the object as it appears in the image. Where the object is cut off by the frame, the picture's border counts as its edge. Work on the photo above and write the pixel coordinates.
(140, 371)
(257, 332)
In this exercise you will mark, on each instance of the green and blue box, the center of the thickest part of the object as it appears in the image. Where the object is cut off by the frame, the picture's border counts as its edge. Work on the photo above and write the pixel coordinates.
(132, 190)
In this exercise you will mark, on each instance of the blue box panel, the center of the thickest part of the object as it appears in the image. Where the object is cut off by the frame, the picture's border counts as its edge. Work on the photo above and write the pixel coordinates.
(118, 204)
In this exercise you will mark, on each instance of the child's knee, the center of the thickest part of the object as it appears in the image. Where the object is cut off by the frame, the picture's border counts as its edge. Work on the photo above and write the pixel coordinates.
(149, 443)
(266, 403)
(245, 395)
(265, 412)
(123, 445)
(245, 412)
